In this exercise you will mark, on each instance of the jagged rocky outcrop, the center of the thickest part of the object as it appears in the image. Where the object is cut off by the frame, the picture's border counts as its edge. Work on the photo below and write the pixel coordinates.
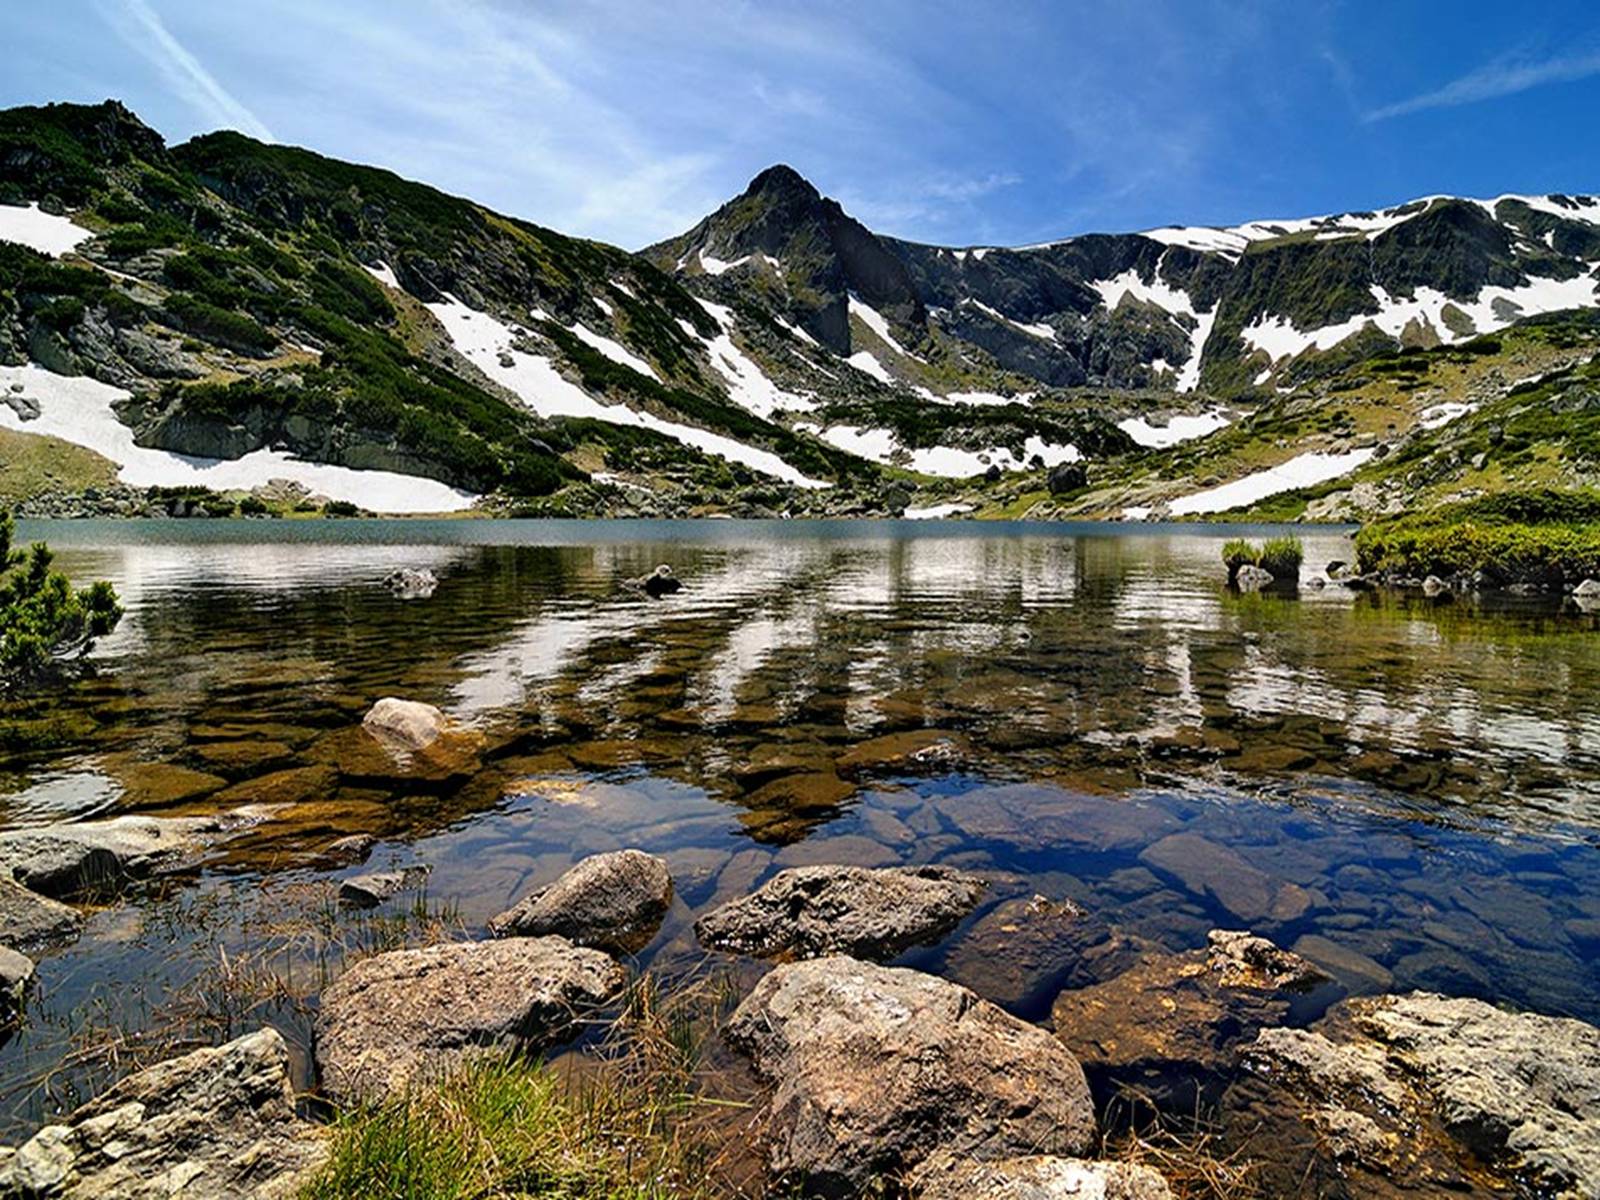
(218, 1122)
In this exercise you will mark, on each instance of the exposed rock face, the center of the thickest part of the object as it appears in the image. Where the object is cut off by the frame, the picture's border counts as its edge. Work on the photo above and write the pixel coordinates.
(1435, 1096)
(875, 1068)
(16, 972)
(874, 913)
(411, 1013)
(1023, 951)
(1035, 1177)
(615, 902)
(1169, 1026)
(1521, 1085)
(219, 1122)
(28, 919)
(1067, 477)
(406, 724)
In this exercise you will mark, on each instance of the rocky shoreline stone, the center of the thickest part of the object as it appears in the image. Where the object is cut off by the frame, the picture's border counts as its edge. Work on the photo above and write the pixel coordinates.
(614, 902)
(875, 1068)
(415, 1014)
(29, 920)
(866, 912)
(1034, 1177)
(218, 1122)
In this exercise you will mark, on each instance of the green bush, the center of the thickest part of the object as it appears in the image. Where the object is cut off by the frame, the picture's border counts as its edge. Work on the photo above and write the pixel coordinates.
(340, 508)
(44, 623)
(234, 330)
(1534, 533)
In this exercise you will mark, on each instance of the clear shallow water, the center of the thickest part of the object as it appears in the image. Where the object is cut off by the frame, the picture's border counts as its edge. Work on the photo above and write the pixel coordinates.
(1424, 776)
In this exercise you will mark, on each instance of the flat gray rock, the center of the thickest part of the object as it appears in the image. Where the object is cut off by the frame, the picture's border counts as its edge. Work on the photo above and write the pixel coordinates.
(615, 902)
(374, 887)
(866, 912)
(68, 860)
(1035, 1177)
(219, 1122)
(418, 1013)
(875, 1068)
(28, 919)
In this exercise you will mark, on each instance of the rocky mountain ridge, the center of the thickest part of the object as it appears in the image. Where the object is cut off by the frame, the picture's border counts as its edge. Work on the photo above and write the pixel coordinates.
(226, 314)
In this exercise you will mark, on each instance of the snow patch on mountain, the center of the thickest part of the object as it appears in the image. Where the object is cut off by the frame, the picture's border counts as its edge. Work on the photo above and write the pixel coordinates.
(1169, 299)
(1493, 308)
(39, 230)
(78, 409)
(875, 321)
(1039, 330)
(953, 462)
(384, 274)
(1179, 428)
(487, 343)
(1303, 470)
(936, 512)
(863, 360)
(614, 350)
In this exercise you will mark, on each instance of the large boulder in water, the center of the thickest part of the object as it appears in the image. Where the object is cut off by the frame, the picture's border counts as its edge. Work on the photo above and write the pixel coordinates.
(615, 902)
(405, 724)
(417, 1013)
(218, 1122)
(875, 1068)
(97, 856)
(866, 912)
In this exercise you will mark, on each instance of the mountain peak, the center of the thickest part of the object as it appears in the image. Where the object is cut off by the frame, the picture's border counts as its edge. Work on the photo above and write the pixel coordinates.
(783, 180)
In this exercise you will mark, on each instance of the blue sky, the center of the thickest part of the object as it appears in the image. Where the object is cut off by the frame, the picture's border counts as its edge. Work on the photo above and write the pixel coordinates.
(1009, 121)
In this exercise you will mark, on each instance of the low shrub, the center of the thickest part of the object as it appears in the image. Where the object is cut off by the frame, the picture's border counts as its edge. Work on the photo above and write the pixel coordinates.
(1280, 557)
(44, 623)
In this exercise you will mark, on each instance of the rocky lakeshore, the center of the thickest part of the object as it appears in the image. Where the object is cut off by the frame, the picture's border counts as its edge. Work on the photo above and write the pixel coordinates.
(865, 1075)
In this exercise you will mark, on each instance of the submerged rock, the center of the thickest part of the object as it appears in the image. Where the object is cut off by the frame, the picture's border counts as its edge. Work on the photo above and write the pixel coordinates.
(1169, 1026)
(875, 1068)
(218, 1122)
(16, 973)
(911, 752)
(407, 724)
(1034, 1177)
(1217, 873)
(28, 919)
(1023, 951)
(657, 584)
(411, 1014)
(374, 887)
(615, 902)
(408, 583)
(868, 912)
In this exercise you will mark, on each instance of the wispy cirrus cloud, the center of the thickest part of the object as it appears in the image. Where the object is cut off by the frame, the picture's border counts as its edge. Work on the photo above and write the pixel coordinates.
(142, 28)
(1503, 77)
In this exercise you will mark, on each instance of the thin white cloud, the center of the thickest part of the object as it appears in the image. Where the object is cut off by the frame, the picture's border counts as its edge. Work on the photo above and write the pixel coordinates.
(1504, 77)
(142, 28)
